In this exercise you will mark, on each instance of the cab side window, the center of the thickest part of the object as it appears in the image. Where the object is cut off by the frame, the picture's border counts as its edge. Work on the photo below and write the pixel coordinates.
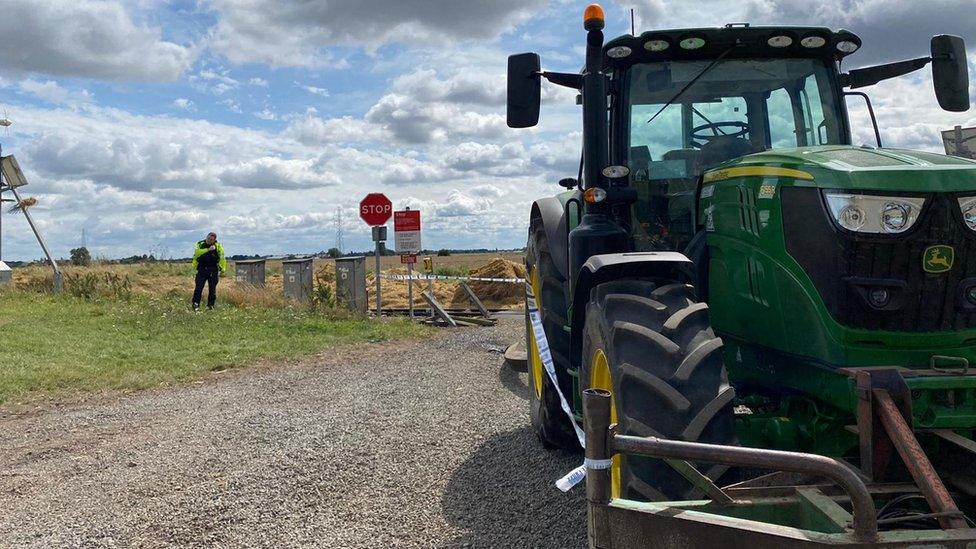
(782, 125)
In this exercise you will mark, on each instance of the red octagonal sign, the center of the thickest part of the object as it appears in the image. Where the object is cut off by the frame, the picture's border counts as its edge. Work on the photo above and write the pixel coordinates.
(375, 209)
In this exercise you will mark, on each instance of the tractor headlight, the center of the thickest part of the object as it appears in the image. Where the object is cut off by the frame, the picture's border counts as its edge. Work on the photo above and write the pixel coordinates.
(865, 213)
(968, 207)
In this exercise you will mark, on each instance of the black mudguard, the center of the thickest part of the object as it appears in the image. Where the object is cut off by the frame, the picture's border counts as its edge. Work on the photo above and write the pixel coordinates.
(670, 266)
(553, 216)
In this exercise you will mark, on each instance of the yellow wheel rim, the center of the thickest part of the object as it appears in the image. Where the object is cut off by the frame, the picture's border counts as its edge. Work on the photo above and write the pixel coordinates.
(535, 361)
(600, 379)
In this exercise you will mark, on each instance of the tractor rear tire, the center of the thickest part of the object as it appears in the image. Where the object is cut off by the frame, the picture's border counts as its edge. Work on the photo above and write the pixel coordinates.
(549, 422)
(666, 374)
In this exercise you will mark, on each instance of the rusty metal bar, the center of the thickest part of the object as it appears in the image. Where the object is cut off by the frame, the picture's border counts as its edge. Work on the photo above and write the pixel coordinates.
(865, 420)
(951, 436)
(596, 428)
(917, 462)
(865, 519)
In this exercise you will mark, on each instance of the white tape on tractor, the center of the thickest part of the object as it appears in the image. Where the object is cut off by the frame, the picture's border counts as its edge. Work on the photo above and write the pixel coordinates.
(575, 476)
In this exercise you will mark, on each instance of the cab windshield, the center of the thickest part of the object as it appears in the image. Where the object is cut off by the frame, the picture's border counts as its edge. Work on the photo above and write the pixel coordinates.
(737, 107)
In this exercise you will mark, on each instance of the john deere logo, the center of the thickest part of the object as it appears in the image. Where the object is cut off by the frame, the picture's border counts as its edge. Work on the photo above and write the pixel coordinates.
(938, 259)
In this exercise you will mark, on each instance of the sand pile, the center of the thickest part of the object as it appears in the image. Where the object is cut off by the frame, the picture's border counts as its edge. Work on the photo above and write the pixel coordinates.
(395, 291)
(495, 294)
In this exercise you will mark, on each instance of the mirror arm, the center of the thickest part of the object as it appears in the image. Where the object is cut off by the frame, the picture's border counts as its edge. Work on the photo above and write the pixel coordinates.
(874, 121)
(869, 76)
(565, 79)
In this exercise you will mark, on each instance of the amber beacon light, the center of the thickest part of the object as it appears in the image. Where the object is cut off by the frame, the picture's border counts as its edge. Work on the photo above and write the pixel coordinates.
(593, 18)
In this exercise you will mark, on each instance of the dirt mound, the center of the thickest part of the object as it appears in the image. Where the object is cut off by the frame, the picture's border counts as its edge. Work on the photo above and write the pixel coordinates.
(495, 294)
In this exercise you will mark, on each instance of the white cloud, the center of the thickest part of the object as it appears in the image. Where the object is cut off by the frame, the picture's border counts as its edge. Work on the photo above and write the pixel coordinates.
(312, 130)
(321, 92)
(260, 82)
(277, 173)
(88, 39)
(52, 92)
(413, 120)
(459, 204)
(266, 114)
(294, 33)
(487, 191)
(173, 220)
(183, 103)
(232, 105)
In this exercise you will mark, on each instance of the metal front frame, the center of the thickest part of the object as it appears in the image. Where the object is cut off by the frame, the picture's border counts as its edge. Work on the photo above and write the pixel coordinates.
(814, 515)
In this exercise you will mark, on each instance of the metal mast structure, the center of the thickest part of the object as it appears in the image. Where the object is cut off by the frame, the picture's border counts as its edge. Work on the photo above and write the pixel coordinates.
(11, 177)
(338, 228)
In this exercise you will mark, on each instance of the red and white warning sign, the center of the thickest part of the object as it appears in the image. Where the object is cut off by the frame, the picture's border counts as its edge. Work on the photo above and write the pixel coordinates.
(406, 231)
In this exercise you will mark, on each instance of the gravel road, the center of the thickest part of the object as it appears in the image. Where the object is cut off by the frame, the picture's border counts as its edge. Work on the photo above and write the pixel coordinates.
(408, 444)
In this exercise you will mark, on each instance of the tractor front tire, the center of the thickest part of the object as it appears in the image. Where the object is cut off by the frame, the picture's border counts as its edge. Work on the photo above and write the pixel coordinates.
(549, 421)
(653, 348)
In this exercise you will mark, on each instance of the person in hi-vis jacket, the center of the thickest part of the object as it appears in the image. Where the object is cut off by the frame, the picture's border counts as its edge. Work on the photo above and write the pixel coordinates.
(210, 263)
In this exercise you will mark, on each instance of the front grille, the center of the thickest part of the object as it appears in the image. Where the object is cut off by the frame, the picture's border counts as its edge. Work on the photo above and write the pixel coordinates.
(844, 266)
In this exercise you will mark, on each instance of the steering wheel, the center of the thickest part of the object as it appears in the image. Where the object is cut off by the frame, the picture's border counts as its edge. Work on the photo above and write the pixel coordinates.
(738, 129)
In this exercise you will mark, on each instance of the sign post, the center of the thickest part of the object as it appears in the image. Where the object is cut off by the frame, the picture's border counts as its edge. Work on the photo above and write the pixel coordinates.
(406, 235)
(376, 210)
(429, 269)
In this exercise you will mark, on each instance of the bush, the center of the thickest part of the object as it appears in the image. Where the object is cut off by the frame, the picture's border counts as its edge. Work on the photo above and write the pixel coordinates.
(334, 253)
(443, 253)
(451, 271)
(81, 257)
(95, 285)
(322, 294)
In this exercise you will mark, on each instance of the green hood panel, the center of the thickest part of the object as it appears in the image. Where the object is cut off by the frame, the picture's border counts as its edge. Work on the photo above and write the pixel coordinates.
(858, 168)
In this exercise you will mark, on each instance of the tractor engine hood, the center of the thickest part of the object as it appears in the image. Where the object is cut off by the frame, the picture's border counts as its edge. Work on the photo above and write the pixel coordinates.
(861, 168)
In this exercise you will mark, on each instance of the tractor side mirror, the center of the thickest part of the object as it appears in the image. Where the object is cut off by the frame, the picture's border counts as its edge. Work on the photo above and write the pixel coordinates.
(524, 90)
(950, 72)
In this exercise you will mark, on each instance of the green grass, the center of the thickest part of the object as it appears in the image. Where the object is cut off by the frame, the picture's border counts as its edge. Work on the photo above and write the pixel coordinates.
(450, 271)
(162, 268)
(51, 345)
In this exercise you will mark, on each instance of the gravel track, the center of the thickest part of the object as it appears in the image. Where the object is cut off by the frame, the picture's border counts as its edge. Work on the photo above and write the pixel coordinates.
(410, 444)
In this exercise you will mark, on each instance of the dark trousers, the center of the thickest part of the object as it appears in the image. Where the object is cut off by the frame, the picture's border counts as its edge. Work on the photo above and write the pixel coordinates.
(208, 277)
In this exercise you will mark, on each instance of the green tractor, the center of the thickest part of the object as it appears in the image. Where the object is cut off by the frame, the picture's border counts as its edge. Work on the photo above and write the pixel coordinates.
(734, 273)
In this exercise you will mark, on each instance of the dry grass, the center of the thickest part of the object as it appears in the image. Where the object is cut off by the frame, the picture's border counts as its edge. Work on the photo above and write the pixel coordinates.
(175, 280)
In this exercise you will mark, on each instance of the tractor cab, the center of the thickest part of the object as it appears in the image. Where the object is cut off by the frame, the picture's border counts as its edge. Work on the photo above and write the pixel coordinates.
(692, 99)
(672, 128)
(684, 101)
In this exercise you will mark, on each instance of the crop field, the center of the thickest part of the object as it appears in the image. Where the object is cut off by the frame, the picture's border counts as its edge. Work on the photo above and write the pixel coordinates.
(175, 280)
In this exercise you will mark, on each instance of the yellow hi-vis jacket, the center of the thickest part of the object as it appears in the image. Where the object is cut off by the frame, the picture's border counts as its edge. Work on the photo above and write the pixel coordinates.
(202, 249)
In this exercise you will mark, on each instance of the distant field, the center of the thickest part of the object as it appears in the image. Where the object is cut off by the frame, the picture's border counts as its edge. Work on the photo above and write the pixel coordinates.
(175, 280)
(53, 345)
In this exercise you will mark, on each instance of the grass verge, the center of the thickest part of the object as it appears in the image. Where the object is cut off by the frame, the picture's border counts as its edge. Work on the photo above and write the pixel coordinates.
(52, 345)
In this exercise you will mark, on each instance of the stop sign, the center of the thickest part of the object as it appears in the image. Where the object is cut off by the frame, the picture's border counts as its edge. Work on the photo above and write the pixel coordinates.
(375, 209)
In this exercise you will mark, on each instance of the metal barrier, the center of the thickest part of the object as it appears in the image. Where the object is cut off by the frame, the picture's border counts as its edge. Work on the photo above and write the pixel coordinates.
(602, 443)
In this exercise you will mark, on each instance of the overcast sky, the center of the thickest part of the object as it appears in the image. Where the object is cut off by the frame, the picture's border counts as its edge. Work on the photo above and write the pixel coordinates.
(148, 123)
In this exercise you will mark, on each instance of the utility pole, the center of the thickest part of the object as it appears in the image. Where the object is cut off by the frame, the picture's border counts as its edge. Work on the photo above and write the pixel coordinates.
(5, 122)
(12, 177)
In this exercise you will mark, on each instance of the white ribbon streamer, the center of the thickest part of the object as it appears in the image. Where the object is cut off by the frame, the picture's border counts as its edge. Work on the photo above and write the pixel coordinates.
(445, 277)
(577, 475)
